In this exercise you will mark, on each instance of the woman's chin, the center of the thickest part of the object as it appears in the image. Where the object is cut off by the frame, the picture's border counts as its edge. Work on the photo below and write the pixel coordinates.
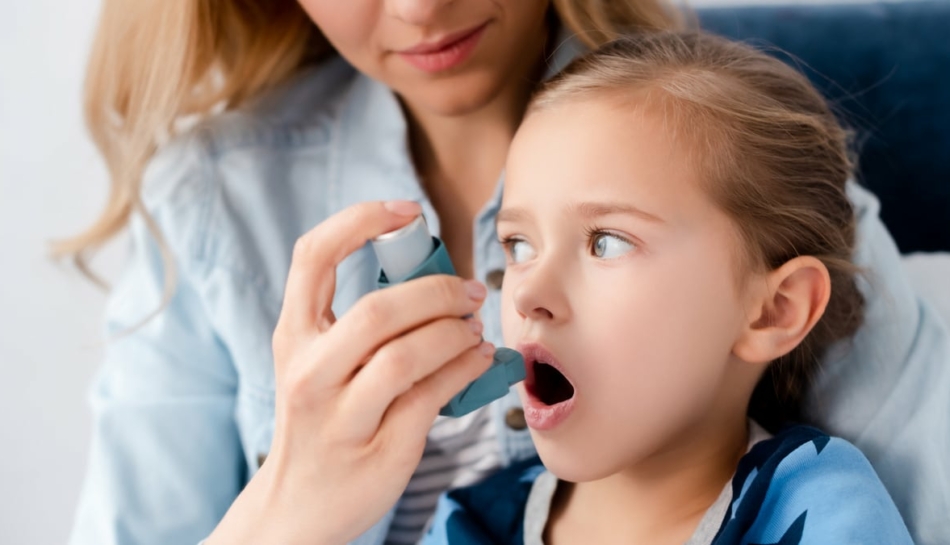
(455, 96)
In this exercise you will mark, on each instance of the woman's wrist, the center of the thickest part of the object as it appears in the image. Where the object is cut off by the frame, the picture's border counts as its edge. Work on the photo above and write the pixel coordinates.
(262, 513)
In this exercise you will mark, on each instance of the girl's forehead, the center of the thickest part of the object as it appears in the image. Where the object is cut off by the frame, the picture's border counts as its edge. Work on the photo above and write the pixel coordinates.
(579, 161)
(594, 147)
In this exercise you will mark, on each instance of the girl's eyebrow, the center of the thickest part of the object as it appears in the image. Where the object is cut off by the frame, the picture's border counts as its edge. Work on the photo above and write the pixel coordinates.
(511, 214)
(587, 210)
(597, 209)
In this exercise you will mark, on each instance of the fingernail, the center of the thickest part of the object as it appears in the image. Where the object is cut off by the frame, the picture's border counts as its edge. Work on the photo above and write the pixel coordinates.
(476, 290)
(486, 348)
(475, 325)
(403, 208)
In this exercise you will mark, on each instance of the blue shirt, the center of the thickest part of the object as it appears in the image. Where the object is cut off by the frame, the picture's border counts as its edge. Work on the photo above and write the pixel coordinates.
(800, 487)
(183, 406)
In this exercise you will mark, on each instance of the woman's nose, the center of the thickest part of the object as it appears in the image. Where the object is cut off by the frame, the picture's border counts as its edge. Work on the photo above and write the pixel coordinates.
(539, 295)
(415, 12)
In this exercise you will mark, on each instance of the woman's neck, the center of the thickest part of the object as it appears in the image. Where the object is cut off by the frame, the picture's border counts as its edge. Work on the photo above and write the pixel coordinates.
(459, 158)
(659, 500)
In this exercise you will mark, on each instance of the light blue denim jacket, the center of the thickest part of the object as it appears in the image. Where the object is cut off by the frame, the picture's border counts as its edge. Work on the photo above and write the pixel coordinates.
(183, 407)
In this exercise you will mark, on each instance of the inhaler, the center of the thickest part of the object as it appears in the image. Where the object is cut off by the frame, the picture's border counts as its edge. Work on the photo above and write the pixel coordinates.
(410, 252)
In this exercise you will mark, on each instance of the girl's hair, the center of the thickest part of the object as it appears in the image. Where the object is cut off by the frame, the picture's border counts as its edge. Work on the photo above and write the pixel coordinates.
(155, 63)
(772, 155)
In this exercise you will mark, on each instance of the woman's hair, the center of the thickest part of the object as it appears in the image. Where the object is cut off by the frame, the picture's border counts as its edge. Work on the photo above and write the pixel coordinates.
(155, 63)
(771, 154)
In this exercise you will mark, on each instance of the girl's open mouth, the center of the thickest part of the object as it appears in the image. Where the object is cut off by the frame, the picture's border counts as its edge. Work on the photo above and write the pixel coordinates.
(550, 385)
(551, 393)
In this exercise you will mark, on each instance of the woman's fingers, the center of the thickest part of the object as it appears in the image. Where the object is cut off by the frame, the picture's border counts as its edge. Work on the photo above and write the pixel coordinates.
(312, 277)
(383, 315)
(403, 362)
(411, 414)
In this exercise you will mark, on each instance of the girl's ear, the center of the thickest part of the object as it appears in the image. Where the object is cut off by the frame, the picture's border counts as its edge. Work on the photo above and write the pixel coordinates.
(784, 313)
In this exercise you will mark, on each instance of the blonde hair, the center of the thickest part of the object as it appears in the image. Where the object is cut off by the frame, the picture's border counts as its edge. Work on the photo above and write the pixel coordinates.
(773, 156)
(156, 62)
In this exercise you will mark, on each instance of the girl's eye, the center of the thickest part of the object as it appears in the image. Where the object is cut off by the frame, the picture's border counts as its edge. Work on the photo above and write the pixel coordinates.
(608, 246)
(519, 250)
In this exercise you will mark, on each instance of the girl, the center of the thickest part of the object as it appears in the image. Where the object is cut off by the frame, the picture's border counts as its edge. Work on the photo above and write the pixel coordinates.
(678, 237)
(247, 395)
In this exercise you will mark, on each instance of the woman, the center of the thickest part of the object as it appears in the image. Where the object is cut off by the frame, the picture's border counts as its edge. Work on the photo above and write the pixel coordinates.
(271, 118)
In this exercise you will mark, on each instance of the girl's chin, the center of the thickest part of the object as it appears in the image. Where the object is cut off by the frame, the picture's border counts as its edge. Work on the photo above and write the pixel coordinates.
(572, 465)
(576, 473)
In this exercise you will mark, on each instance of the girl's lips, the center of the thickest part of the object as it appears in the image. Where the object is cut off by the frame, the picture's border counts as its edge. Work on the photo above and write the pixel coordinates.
(446, 53)
(539, 415)
(542, 417)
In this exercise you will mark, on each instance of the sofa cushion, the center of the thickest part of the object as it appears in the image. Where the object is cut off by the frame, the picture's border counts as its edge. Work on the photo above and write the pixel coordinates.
(886, 68)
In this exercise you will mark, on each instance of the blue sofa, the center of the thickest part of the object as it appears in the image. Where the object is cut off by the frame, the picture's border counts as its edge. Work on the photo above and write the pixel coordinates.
(886, 68)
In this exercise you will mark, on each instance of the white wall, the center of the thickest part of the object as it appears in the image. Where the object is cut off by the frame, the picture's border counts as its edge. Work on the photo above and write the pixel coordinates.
(51, 183)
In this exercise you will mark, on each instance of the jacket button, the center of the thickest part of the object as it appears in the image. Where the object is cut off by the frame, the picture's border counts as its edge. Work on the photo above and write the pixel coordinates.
(514, 418)
(494, 278)
(260, 459)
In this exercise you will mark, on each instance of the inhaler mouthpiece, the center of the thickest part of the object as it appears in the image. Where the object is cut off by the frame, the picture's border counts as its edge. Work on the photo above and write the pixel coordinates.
(410, 252)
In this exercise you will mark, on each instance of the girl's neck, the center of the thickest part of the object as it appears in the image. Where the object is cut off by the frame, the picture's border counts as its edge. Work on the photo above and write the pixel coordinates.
(660, 500)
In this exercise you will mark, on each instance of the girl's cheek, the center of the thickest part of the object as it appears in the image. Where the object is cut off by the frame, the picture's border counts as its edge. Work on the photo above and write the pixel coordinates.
(509, 317)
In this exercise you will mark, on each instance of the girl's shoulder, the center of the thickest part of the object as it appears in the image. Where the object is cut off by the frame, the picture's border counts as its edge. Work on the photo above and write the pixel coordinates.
(804, 486)
(490, 511)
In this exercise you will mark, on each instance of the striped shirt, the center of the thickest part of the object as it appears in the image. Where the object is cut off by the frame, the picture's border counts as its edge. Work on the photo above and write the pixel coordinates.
(459, 452)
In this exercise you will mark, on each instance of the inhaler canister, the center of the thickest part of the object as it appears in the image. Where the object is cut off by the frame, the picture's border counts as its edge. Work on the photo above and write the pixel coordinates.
(410, 252)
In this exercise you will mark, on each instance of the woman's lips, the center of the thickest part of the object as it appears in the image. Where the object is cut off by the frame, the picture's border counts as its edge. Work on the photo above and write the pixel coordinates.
(446, 53)
(539, 415)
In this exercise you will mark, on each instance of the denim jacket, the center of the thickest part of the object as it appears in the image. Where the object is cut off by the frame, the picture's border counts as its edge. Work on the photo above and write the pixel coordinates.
(183, 406)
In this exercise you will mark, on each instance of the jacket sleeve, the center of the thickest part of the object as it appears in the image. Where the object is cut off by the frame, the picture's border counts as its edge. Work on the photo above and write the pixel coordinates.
(888, 390)
(827, 492)
(166, 460)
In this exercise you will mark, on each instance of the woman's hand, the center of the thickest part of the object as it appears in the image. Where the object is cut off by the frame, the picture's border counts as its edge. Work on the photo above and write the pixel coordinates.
(355, 396)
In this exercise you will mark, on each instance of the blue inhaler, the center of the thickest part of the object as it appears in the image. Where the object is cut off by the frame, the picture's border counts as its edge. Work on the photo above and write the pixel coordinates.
(410, 252)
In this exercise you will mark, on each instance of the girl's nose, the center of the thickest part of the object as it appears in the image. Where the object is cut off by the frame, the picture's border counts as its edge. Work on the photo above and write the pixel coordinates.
(539, 295)
(415, 12)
